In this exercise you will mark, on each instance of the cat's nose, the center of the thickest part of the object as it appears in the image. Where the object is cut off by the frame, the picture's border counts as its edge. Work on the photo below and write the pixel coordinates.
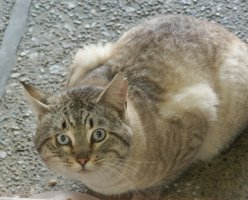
(83, 161)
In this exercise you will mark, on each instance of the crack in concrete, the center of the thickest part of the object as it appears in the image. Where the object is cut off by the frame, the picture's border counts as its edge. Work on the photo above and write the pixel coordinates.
(11, 40)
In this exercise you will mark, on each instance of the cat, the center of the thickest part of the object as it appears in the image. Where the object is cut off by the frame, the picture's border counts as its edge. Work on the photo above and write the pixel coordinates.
(137, 112)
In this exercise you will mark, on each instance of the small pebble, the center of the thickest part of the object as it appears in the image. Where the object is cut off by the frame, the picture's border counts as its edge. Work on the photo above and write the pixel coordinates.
(2, 155)
(15, 75)
(52, 182)
(56, 69)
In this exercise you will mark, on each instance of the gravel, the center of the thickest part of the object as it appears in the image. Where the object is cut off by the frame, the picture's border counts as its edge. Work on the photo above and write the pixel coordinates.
(5, 12)
(56, 29)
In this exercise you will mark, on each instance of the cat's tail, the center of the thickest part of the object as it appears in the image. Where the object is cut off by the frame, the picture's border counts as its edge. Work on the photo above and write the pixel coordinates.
(87, 59)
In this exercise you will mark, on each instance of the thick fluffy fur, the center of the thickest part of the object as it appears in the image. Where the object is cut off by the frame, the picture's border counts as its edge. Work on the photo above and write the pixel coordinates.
(186, 99)
(87, 59)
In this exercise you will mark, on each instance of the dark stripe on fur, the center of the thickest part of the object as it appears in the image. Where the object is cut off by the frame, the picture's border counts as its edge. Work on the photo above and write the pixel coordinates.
(42, 144)
(116, 152)
(85, 120)
(125, 142)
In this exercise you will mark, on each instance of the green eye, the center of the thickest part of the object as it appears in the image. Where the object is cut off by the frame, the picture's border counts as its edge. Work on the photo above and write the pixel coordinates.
(63, 139)
(98, 135)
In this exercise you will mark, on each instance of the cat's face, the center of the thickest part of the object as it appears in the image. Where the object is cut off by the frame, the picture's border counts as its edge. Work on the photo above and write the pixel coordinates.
(82, 133)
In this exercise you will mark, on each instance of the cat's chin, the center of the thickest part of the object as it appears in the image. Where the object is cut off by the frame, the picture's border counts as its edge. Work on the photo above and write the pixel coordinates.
(85, 171)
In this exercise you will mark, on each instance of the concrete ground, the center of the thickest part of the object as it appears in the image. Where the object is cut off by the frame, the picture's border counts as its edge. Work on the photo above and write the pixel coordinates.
(53, 31)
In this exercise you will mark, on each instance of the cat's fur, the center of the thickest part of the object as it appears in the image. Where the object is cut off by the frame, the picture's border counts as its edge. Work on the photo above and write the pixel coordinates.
(185, 99)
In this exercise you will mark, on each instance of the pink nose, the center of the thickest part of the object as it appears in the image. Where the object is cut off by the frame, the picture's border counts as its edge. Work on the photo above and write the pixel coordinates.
(82, 161)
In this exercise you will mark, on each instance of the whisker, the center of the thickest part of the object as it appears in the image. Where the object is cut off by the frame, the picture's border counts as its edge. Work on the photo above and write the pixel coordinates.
(135, 190)
(129, 175)
(120, 175)
(127, 170)
(137, 161)
(129, 165)
(130, 169)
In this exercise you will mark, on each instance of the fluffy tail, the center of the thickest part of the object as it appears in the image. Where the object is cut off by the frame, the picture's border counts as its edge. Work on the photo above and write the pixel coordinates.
(87, 59)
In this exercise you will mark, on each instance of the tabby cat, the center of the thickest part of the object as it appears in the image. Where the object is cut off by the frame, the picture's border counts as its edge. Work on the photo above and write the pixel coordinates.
(136, 112)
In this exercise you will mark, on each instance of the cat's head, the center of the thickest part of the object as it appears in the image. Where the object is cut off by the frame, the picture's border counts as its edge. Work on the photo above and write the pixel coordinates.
(83, 132)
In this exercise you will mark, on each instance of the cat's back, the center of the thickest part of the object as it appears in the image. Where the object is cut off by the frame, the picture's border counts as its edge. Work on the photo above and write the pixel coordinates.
(168, 54)
(177, 30)
(177, 36)
(174, 51)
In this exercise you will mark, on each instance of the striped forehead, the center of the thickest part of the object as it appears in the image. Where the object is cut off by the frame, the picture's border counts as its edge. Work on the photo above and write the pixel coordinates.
(78, 119)
(78, 130)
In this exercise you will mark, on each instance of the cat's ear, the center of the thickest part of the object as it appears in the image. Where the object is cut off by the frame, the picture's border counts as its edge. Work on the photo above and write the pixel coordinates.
(37, 99)
(115, 93)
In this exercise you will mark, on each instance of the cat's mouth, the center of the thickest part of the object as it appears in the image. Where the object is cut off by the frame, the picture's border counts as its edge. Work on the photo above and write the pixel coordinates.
(87, 167)
(83, 170)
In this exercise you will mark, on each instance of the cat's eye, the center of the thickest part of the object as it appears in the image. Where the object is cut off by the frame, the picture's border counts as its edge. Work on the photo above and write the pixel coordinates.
(63, 139)
(98, 135)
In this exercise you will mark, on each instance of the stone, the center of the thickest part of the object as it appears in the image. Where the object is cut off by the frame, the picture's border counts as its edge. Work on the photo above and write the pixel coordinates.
(56, 69)
(52, 182)
(3, 155)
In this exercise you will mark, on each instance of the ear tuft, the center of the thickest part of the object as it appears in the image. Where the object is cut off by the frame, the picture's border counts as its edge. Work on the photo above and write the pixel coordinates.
(116, 93)
(37, 98)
